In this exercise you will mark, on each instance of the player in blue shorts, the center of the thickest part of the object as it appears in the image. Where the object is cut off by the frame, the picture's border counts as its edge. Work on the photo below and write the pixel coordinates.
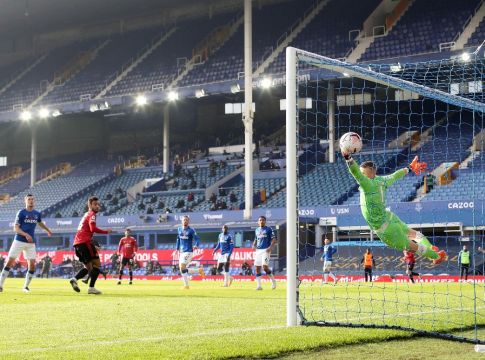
(226, 245)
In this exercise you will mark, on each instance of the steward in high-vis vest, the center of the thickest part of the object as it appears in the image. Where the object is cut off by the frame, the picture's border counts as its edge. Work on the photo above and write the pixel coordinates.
(369, 263)
(464, 262)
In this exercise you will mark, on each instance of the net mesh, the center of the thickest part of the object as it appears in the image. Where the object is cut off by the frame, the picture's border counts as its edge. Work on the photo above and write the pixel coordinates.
(432, 110)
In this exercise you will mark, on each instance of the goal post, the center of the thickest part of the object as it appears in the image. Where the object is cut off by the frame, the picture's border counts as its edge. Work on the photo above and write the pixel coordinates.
(431, 109)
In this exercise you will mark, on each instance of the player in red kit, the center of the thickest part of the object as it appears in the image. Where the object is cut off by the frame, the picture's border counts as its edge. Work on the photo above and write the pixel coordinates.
(85, 249)
(410, 261)
(127, 249)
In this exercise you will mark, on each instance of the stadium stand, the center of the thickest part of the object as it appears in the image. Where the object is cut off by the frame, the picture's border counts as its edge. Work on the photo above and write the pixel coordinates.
(424, 26)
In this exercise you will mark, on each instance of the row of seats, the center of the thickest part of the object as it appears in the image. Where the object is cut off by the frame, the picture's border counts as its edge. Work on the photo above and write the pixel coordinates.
(422, 28)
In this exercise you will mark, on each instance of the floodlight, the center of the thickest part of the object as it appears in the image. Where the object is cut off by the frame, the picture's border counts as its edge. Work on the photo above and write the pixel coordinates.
(25, 115)
(141, 100)
(173, 96)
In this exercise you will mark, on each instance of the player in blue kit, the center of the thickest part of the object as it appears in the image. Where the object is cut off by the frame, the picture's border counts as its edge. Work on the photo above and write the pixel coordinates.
(187, 241)
(226, 245)
(263, 243)
(24, 228)
(327, 258)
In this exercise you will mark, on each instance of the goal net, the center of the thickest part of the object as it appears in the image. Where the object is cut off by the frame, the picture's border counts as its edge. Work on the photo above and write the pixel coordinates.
(433, 110)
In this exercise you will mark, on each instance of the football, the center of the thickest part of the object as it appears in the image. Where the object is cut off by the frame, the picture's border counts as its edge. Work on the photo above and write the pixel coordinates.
(350, 143)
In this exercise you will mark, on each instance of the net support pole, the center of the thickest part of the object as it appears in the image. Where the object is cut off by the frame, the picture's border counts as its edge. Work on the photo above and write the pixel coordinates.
(248, 111)
(331, 122)
(33, 155)
(291, 189)
(166, 139)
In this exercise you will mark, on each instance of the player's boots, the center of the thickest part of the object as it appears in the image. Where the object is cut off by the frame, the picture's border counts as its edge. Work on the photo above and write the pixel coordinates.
(119, 282)
(273, 284)
(85, 280)
(130, 283)
(26, 290)
(74, 285)
(94, 291)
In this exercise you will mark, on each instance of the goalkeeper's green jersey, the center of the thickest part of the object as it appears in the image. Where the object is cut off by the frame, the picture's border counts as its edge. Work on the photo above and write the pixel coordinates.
(373, 194)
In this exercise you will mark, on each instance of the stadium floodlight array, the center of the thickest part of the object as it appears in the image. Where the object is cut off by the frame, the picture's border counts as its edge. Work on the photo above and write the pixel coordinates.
(432, 109)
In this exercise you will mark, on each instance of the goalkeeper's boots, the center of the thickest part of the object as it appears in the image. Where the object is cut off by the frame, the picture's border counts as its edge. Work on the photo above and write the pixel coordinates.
(442, 256)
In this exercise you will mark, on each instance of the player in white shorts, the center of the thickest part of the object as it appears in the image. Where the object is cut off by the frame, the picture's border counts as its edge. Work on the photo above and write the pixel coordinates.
(187, 241)
(263, 243)
(224, 261)
(327, 258)
(24, 227)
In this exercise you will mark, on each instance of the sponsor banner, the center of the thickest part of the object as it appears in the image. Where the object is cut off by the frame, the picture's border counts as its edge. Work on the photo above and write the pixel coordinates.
(318, 279)
(468, 212)
(164, 257)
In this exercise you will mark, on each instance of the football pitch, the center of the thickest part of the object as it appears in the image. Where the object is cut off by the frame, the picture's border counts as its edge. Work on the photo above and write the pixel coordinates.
(160, 320)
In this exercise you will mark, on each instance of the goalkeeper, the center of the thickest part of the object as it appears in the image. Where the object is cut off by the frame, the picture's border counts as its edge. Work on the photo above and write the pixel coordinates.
(388, 227)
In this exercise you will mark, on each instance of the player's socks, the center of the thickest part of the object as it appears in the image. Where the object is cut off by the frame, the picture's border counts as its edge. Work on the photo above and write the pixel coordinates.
(273, 280)
(325, 278)
(81, 273)
(185, 277)
(333, 277)
(4, 275)
(226, 279)
(121, 275)
(131, 276)
(258, 282)
(94, 276)
(28, 278)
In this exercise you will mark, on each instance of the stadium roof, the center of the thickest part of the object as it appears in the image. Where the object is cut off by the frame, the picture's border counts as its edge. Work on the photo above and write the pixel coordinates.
(23, 17)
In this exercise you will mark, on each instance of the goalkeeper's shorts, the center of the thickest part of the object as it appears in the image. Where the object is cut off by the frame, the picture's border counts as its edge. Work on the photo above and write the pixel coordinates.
(394, 233)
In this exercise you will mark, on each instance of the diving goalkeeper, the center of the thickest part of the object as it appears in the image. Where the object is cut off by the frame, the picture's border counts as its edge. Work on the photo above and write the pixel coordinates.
(388, 227)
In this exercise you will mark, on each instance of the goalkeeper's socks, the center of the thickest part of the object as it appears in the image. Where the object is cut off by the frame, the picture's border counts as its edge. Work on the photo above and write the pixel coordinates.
(427, 251)
(28, 278)
(4, 275)
(425, 248)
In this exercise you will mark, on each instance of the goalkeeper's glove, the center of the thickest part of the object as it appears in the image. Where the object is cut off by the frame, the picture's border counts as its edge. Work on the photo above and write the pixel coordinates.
(346, 155)
(416, 166)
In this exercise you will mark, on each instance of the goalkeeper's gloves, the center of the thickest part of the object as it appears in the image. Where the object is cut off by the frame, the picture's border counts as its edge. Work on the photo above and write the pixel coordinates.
(416, 166)
(346, 155)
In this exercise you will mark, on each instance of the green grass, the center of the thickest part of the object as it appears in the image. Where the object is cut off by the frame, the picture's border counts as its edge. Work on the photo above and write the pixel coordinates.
(160, 320)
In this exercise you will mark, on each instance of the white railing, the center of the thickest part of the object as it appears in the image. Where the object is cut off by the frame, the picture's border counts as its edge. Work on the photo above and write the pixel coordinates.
(379, 30)
(85, 97)
(156, 87)
(357, 32)
(446, 45)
